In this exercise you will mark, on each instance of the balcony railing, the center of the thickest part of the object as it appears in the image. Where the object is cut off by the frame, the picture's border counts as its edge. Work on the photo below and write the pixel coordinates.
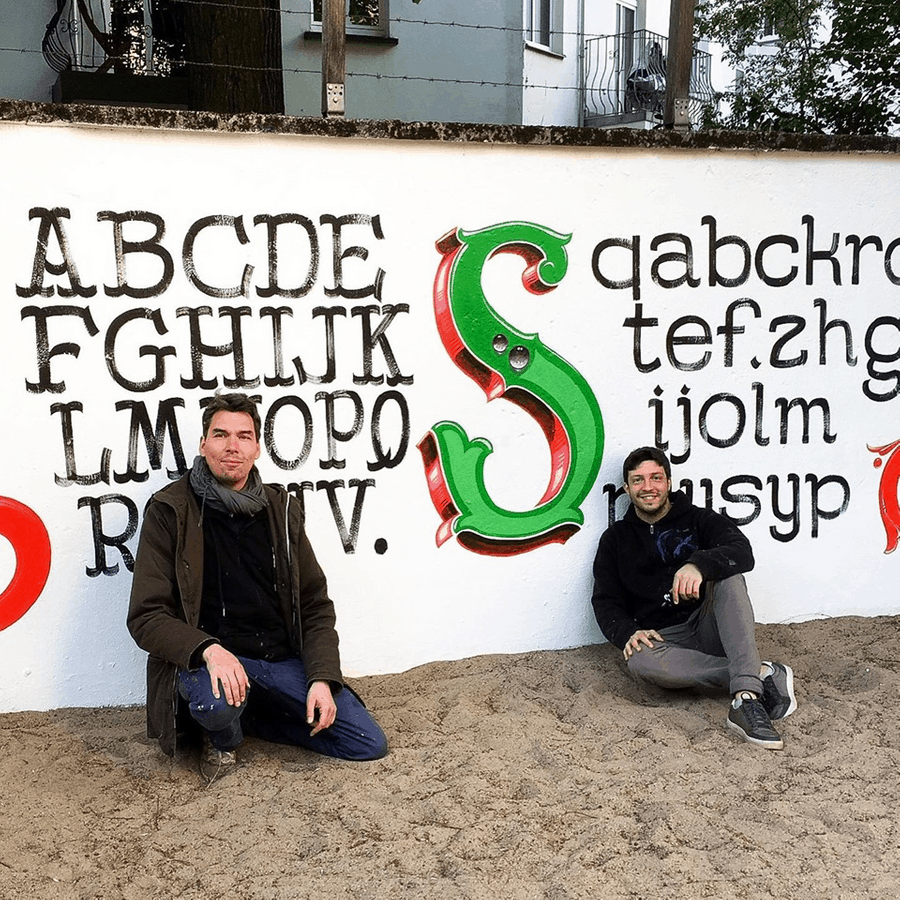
(124, 36)
(625, 80)
(116, 52)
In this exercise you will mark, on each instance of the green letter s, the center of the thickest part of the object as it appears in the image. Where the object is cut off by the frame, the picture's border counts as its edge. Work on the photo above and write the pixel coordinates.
(508, 363)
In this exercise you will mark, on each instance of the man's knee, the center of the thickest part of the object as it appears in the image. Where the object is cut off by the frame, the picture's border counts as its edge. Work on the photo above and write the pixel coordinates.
(218, 715)
(366, 747)
(210, 712)
(669, 667)
(361, 737)
(378, 743)
(647, 664)
(731, 589)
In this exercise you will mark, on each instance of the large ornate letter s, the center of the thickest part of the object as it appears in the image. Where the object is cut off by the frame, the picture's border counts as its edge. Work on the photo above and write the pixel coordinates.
(508, 363)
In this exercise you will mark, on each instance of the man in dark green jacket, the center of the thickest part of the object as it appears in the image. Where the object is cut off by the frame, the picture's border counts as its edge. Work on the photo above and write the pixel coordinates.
(669, 592)
(233, 609)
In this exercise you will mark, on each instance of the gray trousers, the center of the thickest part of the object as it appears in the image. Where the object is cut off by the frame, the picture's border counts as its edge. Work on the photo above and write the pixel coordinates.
(715, 647)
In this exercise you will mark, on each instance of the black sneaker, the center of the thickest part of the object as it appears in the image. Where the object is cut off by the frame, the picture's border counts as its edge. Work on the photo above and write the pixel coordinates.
(748, 717)
(778, 691)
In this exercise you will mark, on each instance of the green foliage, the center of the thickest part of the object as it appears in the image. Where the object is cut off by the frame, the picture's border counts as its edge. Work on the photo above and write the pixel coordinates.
(834, 68)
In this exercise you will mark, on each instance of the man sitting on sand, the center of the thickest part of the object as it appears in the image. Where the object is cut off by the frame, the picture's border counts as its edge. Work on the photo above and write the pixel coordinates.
(232, 607)
(669, 592)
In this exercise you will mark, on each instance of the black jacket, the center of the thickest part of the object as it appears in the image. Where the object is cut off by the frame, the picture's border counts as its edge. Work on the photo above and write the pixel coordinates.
(636, 563)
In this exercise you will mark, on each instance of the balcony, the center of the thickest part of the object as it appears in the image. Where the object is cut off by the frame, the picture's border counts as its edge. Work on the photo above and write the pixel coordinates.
(108, 52)
(625, 81)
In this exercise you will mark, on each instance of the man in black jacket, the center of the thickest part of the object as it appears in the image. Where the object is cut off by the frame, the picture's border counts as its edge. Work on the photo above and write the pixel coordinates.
(669, 592)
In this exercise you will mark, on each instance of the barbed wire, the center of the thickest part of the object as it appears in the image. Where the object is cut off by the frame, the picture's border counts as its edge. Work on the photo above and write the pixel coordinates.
(861, 56)
(474, 26)
(318, 72)
(858, 4)
(221, 4)
(523, 31)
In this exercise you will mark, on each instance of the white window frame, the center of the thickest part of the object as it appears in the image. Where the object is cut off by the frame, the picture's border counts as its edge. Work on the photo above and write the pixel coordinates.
(544, 25)
(382, 29)
(769, 31)
(625, 55)
(622, 8)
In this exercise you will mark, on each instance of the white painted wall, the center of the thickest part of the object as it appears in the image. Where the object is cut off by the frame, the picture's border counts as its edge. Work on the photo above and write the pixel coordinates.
(418, 602)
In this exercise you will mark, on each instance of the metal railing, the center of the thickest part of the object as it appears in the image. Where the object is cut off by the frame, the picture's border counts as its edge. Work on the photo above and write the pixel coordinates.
(103, 35)
(625, 79)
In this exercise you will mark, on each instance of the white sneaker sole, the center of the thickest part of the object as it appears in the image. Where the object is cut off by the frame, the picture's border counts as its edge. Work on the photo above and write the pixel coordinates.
(790, 688)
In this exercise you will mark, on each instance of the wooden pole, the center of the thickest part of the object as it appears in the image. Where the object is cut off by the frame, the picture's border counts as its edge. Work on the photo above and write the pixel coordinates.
(334, 32)
(678, 64)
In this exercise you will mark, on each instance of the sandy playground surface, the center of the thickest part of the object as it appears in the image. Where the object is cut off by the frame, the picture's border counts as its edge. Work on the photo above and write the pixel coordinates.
(539, 775)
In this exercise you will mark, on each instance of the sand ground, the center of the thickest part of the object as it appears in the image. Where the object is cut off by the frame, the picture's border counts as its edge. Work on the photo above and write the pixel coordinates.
(539, 775)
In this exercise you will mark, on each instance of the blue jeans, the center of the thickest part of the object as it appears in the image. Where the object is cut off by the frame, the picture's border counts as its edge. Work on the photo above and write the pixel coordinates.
(275, 710)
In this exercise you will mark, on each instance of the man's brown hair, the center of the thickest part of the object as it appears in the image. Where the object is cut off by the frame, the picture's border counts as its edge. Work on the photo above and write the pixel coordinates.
(235, 403)
(642, 455)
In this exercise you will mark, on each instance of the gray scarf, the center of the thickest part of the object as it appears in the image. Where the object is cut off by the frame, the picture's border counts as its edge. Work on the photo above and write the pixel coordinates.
(249, 501)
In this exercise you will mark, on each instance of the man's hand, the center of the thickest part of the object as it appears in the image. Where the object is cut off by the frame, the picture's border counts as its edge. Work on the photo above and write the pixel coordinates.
(645, 636)
(226, 667)
(686, 584)
(319, 698)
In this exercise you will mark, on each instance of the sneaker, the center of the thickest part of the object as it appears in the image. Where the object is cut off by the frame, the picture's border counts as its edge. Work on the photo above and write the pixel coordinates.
(778, 691)
(215, 763)
(748, 717)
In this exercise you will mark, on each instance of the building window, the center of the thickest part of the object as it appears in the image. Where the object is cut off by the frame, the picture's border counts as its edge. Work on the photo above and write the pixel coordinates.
(769, 27)
(543, 24)
(363, 17)
(770, 31)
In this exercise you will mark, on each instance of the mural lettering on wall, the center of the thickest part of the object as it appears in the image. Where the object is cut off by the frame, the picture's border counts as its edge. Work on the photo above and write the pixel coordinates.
(23, 528)
(374, 412)
(746, 334)
(507, 363)
(67, 322)
(518, 367)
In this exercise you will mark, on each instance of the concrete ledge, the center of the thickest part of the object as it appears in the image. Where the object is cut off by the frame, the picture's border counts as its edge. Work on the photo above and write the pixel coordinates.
(133, 117)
